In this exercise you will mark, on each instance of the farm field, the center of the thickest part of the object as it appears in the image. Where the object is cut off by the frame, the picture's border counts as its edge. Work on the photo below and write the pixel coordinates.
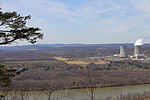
(80, 61)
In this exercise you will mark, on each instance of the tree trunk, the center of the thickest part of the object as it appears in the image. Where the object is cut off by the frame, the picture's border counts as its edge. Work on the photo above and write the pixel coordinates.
(49, 95)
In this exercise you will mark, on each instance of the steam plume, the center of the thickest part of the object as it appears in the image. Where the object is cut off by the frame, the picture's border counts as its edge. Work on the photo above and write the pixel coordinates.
(139, 42)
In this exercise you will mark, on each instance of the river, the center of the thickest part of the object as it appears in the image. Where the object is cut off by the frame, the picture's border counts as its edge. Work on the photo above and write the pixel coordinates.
(82, 94)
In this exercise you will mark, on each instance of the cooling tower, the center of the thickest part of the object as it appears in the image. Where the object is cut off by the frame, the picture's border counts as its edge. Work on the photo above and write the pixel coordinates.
(137, 50)
(123, 53)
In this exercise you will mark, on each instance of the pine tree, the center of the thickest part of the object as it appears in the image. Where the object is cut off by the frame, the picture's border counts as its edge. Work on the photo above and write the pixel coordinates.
(13, 27)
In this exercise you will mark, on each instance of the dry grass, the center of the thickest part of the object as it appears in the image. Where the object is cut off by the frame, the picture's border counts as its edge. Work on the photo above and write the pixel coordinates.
(76, 62)
(61, 59)
(80, 61)
(85, 62)
(101, 62)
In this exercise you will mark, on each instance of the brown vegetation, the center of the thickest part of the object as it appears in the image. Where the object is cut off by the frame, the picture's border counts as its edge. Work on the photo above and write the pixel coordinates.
(80, 61)
(37, 79)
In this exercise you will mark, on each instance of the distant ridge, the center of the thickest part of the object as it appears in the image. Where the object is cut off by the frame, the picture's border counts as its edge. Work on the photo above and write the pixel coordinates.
(67, 45)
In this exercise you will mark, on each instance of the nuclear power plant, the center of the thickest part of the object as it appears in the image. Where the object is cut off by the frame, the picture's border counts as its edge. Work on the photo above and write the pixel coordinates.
(137, 55)
(137, 50)
(123, 52)
(133, 53)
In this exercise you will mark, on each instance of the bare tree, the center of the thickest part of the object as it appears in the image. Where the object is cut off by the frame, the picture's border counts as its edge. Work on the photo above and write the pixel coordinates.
(51, 87)
(90, 82)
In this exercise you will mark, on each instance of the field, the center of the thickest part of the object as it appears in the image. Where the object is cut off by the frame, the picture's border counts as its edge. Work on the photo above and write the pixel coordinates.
(81, 61)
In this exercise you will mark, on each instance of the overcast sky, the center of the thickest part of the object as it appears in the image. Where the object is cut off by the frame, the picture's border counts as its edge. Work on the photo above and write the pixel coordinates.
(86, 21)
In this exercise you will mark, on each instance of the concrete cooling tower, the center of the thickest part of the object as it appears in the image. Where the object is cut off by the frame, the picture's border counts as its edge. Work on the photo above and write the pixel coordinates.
(123, 53)
(137, 50)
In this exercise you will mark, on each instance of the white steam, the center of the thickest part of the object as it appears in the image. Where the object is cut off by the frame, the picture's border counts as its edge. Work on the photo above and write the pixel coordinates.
(139, 42)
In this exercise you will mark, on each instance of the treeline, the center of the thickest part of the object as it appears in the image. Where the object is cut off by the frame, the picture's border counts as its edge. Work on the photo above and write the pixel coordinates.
(41, 80)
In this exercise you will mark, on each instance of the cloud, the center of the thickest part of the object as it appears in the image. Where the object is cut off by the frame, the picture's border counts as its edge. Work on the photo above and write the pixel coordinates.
(53, 8)
(48, 7)
(88, 10)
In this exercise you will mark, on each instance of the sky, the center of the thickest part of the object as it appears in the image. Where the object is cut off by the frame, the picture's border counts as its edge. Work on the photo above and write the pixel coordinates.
(86, 21)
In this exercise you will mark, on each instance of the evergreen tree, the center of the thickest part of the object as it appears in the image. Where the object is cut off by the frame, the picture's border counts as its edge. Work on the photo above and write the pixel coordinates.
(13, 27)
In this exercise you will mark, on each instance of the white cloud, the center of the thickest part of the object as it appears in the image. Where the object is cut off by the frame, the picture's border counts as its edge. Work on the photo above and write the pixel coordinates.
(49, 7)
(88, 10)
